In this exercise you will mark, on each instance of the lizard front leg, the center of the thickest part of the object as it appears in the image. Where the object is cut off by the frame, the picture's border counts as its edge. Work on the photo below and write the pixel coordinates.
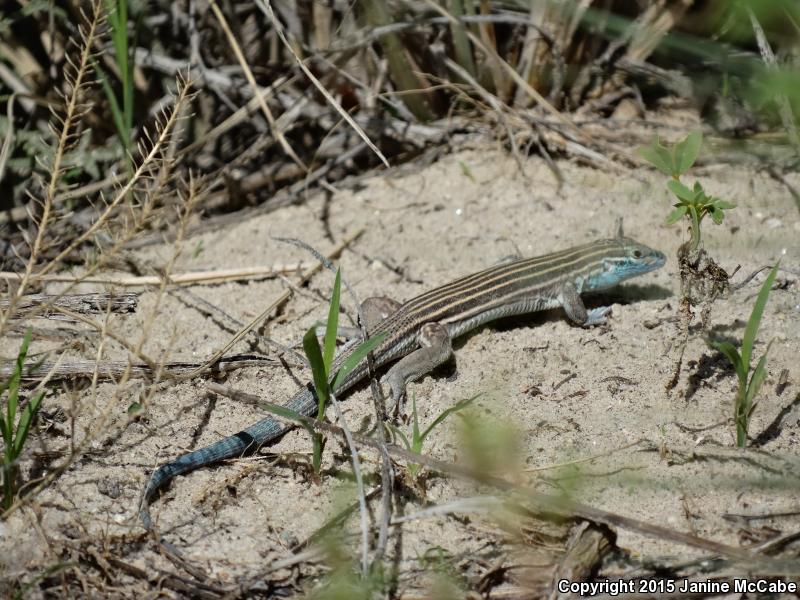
(435, 349)
(570, 299)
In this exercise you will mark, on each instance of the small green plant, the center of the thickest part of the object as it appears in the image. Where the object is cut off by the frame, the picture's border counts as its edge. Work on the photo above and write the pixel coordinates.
(117, 11)
(693, 203)
(418, 437)
(14, 438)
(326, 382)
(743, 404)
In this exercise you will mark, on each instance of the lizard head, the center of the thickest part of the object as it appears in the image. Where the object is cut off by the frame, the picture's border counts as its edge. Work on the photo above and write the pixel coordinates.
(622, 259)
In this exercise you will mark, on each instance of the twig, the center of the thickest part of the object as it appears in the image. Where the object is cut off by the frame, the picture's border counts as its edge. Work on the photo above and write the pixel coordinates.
(110, 369)
(81, 303)
(196, 277)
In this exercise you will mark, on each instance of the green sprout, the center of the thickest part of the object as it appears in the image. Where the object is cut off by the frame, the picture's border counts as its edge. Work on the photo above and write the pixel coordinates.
(322, 365)
(418, 437)
(747, 388)
(117, 11)
(693, 203)
(14, 440)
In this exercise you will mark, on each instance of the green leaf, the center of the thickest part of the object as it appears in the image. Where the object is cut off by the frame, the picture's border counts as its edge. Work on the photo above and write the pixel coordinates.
(134, 407)
(416, 444)
(723, 204)
(686, 152)
(657, 155)
(677, 213)
(758, 377)
(333, 323)
(401, 435)
(729, 350)
(755, 317)
(356, 357)
(6, 432)
(680, 190)
(13, 383)
(716, 214)
(116, 111)
(461, 405)
(25, 420)
(314, 355)
(286, 413)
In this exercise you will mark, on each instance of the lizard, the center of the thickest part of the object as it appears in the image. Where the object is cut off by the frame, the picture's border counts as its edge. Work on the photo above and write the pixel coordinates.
(418, 334)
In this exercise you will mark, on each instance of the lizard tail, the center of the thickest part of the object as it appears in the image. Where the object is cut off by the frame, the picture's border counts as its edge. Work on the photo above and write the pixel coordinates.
(245, 442)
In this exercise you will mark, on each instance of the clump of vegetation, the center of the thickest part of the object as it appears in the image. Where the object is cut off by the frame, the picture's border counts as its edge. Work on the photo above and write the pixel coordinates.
(694, 204)
(702, 279)
(748, 384)
(325, 381)
(418, 436)
(15, 433)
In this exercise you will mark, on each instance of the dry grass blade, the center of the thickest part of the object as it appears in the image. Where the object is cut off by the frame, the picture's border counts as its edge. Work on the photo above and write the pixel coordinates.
(257, 92)
(265, 6)
(9, 139)
(541, 100)
(240, 115)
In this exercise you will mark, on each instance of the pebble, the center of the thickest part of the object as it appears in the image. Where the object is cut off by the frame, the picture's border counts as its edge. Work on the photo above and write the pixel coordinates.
(773, 223)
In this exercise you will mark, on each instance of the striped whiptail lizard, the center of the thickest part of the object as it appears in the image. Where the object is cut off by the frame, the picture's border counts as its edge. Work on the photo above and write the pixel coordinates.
(418, 333)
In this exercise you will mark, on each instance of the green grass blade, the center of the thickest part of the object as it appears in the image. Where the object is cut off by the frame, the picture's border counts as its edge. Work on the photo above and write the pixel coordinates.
(356, 357)
(415, 436)
(116, 111)
(729, 350)
(461, 405)
(460, 40)
(333, 323)
(403, 438)
(314, 355)
(755, 317)
(404, 73)
(287, 413)
(25, 420)
(757, 379)
(16, 376)
(6, 433)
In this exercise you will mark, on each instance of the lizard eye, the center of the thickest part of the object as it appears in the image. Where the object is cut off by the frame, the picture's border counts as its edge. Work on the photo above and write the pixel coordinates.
(637, 254)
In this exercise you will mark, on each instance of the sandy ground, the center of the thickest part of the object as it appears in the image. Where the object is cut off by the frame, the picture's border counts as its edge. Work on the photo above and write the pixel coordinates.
(570, 393)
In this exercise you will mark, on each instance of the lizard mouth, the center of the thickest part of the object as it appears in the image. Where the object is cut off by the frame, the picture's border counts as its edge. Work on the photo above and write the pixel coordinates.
(656, 260)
